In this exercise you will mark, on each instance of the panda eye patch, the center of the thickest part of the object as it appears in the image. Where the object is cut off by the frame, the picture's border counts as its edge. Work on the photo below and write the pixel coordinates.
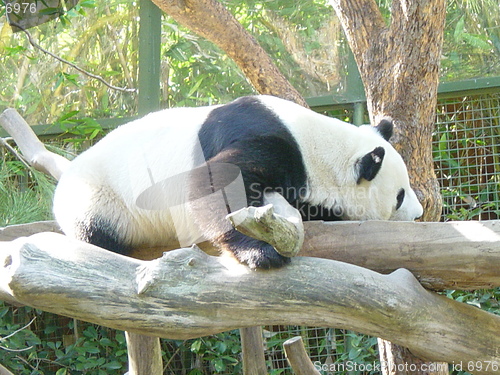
(400, 198)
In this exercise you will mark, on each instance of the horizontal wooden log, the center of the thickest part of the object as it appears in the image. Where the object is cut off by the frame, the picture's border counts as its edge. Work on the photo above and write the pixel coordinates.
(455, 255)
(23, 230)
(188, 293)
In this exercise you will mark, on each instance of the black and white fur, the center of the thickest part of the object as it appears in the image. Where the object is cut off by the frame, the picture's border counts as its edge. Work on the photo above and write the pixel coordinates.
(175, 174)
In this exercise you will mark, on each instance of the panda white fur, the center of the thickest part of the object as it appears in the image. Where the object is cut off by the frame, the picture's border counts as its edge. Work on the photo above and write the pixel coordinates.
(176, 173)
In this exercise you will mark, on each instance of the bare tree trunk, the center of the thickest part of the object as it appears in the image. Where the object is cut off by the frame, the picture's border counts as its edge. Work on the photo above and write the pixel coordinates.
(399, 65)
(399, 360)
(139, 348)
(252, 347)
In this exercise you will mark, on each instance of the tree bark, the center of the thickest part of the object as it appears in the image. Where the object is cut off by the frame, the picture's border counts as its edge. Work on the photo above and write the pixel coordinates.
(211, 20)
(252, 349)
(140, 347)
(454, 255)
(165, 298)
(32, 149)
(399, 66)
(399, 360)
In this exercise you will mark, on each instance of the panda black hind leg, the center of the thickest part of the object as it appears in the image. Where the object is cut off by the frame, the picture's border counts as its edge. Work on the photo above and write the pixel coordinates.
(101, 232)
(97, 219)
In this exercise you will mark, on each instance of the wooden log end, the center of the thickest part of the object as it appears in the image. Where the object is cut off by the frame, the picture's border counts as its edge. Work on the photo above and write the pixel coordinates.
(297, 357)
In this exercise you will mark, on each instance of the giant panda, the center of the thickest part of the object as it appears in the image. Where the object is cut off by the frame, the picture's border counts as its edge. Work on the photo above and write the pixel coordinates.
(175, 175)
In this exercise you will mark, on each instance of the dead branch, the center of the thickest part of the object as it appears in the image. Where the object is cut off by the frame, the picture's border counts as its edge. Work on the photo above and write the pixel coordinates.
(453, 255)
(277, 223)
(31, 147)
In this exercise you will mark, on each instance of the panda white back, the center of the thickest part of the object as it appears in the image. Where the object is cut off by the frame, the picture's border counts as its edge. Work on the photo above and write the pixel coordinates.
(108, 179)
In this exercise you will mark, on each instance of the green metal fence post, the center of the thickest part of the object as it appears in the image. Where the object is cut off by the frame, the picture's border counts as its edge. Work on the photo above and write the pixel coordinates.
(354, 83)
(149, 57)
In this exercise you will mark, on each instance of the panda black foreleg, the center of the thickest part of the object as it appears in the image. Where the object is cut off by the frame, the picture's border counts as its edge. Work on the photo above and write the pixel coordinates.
(252, 252)
(220, 187)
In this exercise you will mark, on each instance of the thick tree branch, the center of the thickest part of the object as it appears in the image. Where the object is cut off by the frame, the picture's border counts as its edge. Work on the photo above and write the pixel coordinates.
(140, 347)
(454, 255)
(211, 20)
(165, 298)
(363, 24)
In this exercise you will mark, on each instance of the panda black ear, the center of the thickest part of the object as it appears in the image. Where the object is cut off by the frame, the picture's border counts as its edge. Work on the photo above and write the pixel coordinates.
(385, 127)
(370, 164)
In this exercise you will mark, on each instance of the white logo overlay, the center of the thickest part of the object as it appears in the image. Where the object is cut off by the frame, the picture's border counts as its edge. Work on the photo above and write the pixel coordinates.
(171, 190)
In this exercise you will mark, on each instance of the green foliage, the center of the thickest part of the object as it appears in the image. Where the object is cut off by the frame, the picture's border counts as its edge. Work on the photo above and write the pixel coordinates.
(93, 351)
(79, 131)
(471, 44)
(219, 351)
(361, 349)
(303, 37)
(325, 346)
(25, 194)
(99, 37)
(488, 300)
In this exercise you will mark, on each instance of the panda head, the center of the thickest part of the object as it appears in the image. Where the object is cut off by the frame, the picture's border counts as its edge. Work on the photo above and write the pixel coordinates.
(375, 185)
(381, 183)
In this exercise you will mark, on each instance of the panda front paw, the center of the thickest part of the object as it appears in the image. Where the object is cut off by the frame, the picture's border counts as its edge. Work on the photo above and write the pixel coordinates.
(254, 253)
(263, 257)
